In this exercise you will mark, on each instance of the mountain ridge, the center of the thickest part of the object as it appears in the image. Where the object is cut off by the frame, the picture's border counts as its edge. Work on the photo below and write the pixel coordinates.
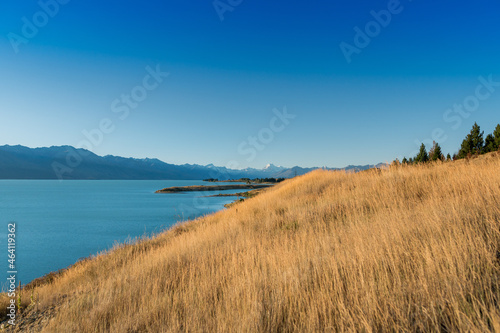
(67, 162)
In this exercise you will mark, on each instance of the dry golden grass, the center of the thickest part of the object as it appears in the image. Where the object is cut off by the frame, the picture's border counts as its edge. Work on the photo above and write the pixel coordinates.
(408, 249)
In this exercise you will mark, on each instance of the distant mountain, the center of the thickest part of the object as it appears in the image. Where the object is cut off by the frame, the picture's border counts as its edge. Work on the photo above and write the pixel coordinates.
(66, 162)
(297, 171)
(271, 168)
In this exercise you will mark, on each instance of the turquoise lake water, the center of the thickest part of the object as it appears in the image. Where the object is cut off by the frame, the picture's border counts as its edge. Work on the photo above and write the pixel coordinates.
(59, 222)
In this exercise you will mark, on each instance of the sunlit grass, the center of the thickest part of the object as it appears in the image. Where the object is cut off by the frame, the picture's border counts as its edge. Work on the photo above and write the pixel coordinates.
(412, 248)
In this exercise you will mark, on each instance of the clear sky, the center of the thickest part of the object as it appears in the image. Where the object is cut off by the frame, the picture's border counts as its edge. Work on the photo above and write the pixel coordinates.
(351, 98)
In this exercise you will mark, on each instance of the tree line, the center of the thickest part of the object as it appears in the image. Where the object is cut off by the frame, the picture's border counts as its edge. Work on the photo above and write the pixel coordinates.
(474, 144)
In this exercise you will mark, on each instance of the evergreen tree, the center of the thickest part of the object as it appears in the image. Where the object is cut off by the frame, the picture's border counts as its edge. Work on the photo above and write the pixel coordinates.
(477, 139)
(489, 143)
(435, 152)
(496, 137)
(448, 157)
(465, 148)
(473, 143)
(405, 161)
(422, 156)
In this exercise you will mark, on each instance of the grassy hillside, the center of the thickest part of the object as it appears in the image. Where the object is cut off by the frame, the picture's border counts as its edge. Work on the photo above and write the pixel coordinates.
(413, 248)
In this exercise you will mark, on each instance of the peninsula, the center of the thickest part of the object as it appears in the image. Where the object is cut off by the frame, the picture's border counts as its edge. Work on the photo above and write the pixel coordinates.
(198, 188)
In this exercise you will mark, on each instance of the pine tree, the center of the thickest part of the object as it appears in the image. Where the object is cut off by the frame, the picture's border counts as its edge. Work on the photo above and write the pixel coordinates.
(473, 143)
(465, 148)
(496, 137)
(489, 143)
(477, 139)
(404, 161)
(448, 157)
(435, 153)
(422, 156)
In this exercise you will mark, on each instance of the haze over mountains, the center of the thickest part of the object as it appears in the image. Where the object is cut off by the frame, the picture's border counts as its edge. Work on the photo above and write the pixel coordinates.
(67, 162)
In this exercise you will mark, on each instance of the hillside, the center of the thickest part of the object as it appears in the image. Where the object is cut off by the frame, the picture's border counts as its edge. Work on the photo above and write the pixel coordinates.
(66, 162)
(412, 248)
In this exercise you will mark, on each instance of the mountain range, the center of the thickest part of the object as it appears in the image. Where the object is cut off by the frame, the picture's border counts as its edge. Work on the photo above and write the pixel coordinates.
(67, 162)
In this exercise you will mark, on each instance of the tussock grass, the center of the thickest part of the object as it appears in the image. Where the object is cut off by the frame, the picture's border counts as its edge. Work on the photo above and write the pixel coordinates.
(412, 248)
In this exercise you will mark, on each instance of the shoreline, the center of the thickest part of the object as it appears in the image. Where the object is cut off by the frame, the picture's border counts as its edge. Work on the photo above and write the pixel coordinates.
(50, 276)
(203, 188)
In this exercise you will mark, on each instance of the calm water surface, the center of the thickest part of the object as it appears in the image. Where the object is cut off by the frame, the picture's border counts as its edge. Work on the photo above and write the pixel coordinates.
(59, 222)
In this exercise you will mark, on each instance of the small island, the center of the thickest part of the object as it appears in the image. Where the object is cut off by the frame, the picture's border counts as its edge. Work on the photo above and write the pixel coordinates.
(199, 188)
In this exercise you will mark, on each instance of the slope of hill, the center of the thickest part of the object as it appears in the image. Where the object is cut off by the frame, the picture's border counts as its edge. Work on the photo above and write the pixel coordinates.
(66, 162)
(411, 248)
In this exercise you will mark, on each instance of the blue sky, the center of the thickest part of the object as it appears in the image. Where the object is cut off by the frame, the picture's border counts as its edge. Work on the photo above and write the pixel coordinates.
(227, 76)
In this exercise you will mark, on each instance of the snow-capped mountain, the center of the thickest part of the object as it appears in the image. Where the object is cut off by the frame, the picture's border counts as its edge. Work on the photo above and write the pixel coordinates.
(271, 168)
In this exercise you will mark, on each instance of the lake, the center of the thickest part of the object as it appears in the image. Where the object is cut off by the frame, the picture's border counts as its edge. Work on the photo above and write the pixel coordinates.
(59, 222)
